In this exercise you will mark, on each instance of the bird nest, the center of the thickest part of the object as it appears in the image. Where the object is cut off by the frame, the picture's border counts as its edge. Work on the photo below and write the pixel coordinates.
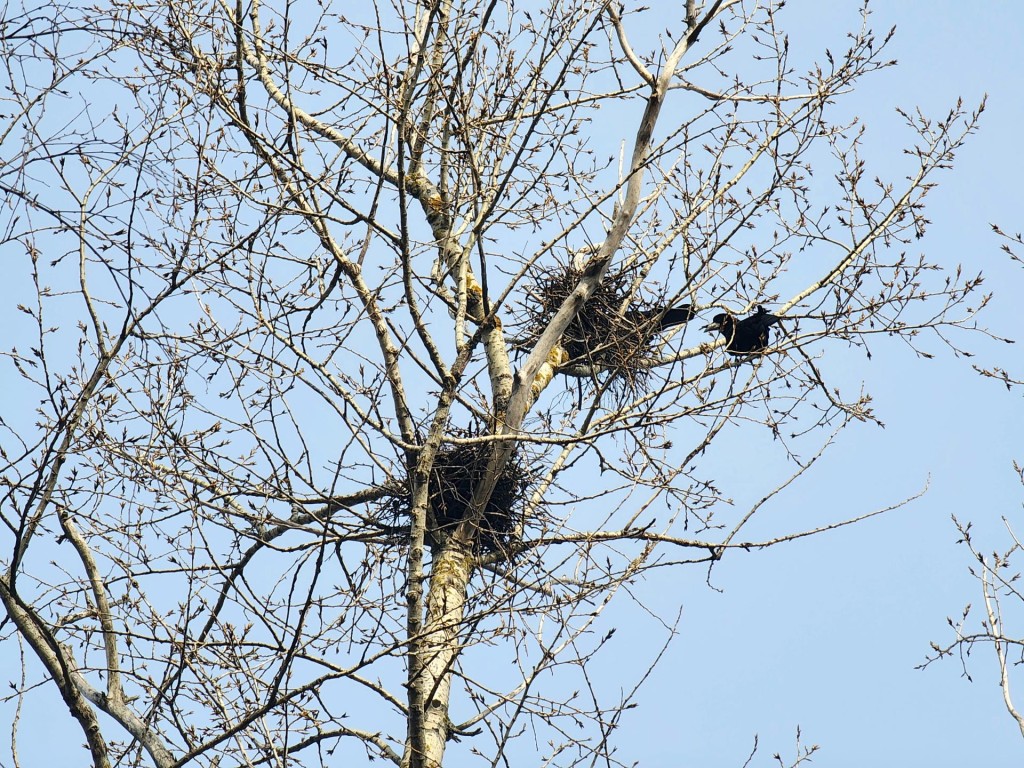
(612, 331)
(457, 472)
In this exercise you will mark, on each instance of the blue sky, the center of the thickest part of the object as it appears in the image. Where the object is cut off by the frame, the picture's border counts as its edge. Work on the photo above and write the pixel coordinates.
(824, 633)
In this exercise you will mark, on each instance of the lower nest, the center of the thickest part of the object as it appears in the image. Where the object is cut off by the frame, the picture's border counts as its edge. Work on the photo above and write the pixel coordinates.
(457, 472)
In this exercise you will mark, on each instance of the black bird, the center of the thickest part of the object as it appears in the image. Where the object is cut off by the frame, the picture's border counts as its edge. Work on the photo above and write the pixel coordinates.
(747, 336)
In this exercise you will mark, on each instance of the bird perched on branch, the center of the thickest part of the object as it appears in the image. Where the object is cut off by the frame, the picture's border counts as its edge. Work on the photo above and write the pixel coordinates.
(747, 336)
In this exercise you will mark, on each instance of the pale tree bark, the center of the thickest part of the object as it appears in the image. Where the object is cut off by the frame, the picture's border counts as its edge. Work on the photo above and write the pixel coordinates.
(1000, 611)
(312, 456)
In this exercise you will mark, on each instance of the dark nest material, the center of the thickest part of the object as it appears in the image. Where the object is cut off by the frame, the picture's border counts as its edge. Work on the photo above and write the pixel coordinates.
(612, 332)
(458, 470)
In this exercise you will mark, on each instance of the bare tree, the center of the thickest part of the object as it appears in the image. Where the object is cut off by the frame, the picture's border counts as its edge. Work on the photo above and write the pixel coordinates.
(997, 575)
(345, 402)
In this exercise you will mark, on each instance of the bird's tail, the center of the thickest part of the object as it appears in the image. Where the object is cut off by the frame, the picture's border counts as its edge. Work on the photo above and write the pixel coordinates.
(677, 316)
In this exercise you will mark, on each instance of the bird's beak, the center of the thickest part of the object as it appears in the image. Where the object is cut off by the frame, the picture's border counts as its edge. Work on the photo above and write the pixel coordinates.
(711, 327)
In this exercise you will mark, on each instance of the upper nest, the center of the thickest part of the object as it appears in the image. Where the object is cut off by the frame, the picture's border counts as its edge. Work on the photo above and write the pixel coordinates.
(612, 331)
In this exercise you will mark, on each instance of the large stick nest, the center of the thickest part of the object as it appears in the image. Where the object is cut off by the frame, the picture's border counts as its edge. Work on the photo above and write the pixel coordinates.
(611, 333)
(457, 472)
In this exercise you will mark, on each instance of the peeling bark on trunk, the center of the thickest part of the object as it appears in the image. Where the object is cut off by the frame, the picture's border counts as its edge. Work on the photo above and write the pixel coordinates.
(445, 606)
